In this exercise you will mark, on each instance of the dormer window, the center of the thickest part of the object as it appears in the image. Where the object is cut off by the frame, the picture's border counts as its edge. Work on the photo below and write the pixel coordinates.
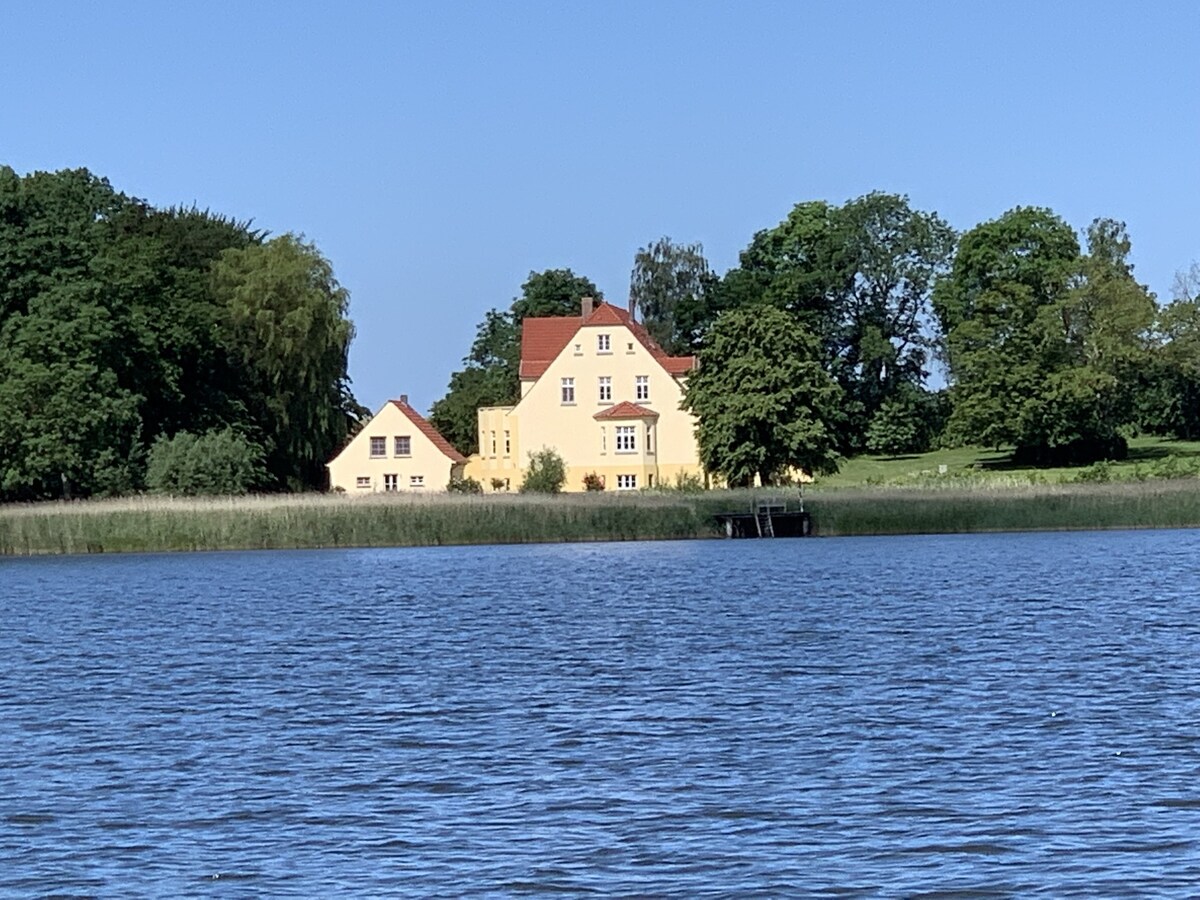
(604, 343)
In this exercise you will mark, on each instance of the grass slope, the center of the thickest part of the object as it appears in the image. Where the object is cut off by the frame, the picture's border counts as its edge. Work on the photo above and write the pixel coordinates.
(990, 465)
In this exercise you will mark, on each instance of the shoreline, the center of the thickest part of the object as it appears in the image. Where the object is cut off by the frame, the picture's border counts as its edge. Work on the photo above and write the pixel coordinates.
(146, 524)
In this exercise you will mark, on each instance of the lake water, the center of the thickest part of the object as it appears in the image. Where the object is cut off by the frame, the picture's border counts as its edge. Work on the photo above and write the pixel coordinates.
(945, 716)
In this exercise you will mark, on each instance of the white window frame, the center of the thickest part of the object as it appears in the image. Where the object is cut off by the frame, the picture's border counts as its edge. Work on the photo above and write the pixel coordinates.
(641, 387)
(378, 446)
(402, 445)
(362, 482)
(568, 392)
(626, 438)
(627, 482)
(416, 481)
(391, 482)
(605, 388)
(604, 343)
(507, 443)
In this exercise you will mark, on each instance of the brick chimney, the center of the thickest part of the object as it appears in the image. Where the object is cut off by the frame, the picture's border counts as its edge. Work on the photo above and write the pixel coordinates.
(404, 399)
(586, 305)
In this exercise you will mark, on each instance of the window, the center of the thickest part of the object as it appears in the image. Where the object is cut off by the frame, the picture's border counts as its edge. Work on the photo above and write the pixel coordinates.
(402, 445)
(416, 481)
(507, 444)
(603, 440)
(605, 389)
(579, 349)
(629, 347)
(362, 481)
(649, 438)
(604, 343)
(626, 482)
(641, 387)
(626, 439)
(391, 482)
(378, 447)
(568, 390)
(493, 443)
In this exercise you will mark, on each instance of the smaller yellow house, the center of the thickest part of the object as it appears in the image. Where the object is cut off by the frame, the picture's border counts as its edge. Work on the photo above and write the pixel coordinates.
(398, 450)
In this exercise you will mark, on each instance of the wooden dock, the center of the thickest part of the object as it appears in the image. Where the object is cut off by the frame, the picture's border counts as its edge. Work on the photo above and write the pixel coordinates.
(767, 519)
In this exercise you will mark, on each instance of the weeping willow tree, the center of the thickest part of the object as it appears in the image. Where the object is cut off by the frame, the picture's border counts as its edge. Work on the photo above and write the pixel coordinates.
(286, 326)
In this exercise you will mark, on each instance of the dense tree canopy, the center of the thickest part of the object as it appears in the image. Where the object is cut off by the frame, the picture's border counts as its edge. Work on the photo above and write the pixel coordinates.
(764, 402)
(1043, 342)
(858, 277)
(115, 331)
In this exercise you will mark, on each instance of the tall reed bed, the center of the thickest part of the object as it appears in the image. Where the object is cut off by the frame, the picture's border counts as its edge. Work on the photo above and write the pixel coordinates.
(149, 524)
(1159, 504)
(145, 524)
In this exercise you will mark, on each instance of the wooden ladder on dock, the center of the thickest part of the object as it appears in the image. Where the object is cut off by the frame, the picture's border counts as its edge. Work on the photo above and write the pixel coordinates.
(762, 517)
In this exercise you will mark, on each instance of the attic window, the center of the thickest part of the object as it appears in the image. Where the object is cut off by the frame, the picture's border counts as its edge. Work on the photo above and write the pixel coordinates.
(579, 349)
(604, 343)
(378, 447)
(629, 347)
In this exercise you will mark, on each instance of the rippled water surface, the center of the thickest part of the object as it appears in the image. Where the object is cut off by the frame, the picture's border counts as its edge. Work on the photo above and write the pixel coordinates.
(900, 716)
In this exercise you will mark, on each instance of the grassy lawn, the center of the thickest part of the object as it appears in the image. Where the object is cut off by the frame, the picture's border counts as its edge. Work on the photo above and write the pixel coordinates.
(1144, 454)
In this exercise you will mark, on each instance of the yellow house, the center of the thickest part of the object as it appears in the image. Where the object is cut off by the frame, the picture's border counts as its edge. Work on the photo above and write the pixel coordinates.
(599, 391)
(398, 450)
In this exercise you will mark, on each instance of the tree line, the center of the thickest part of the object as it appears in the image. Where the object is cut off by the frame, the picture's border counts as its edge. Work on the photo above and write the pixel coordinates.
(170, 348)
(819, 343)
(180, 350)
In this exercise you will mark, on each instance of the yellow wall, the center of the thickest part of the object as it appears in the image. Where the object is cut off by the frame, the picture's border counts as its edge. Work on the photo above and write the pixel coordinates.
(355, 462)
(587, 445)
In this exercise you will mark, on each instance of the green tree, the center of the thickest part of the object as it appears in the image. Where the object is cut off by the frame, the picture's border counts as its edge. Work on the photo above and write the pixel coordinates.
(214, 463)
(286, 325)
(1041, 340)
(668, 285)
(1167, 392)
(894, 430)
(859, 278)
(546, 474)
(67, 426)
(763, 401)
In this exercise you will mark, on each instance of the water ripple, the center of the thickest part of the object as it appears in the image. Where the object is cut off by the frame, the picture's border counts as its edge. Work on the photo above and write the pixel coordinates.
(974, 716)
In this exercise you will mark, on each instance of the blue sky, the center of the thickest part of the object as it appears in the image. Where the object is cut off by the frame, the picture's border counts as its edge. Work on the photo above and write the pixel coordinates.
(437, 153)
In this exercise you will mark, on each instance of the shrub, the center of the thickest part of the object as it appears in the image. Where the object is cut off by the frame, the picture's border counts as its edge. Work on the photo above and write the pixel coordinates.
(499, 484)
(1097, 473)
(547, 473)
(464, 486)
(216, 462)
(593, 482)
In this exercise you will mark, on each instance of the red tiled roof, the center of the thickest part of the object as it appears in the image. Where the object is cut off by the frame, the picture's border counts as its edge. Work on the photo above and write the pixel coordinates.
(429, 431)
(543, 338)
(626, 410)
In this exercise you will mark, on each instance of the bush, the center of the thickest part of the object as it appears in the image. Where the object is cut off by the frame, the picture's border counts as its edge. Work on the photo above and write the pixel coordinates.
(499, 484)
(547, 473)
(464, 486)
(593, 482)
(216, 462)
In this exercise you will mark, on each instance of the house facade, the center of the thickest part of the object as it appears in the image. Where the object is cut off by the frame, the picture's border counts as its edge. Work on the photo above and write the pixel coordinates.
(598, 390)
(398, 450)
